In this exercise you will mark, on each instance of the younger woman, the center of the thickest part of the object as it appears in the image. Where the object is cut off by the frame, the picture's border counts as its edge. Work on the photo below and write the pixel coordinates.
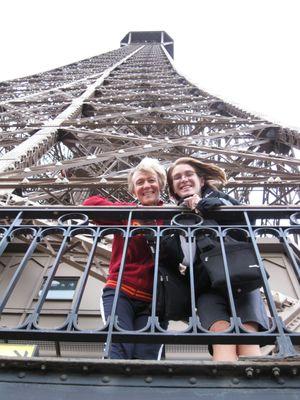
(193, 183)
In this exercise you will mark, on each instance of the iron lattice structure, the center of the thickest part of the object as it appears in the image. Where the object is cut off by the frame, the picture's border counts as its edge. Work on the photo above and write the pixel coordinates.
(78, 129)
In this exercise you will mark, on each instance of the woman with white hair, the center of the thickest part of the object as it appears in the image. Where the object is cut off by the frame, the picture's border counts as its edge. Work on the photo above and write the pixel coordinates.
(145, 182)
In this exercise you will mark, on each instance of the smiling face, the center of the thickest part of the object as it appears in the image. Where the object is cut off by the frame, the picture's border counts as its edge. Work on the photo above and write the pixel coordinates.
(146, 188)
(185, 181)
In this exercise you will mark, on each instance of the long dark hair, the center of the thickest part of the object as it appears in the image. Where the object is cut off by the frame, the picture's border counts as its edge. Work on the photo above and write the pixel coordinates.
(214, 176)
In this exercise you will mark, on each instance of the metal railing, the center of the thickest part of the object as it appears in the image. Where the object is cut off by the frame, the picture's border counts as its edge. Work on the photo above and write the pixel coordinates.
(38, 224)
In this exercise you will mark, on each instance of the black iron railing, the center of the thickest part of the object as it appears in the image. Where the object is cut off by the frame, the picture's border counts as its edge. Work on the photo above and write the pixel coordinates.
(35, 225)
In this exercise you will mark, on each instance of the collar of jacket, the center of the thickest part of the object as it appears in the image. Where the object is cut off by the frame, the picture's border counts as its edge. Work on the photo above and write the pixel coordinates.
(207, 192)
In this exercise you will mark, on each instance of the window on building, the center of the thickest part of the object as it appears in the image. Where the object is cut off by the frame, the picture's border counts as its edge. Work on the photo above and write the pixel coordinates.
(61, 289)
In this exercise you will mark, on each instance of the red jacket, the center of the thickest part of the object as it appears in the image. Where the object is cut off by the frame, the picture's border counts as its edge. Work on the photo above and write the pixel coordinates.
(137, 279)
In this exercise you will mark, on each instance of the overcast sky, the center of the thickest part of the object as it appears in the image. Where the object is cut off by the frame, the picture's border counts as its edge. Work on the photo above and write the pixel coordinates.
(244, 51)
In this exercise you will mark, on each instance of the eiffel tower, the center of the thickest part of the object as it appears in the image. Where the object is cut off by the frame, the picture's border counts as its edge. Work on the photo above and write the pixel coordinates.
(78, 129)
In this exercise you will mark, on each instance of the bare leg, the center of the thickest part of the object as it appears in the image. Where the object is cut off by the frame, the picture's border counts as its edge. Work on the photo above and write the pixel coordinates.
(223, 352)
(249, 350)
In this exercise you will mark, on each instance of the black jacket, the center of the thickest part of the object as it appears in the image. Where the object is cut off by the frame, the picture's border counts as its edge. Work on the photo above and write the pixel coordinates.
(171, 254)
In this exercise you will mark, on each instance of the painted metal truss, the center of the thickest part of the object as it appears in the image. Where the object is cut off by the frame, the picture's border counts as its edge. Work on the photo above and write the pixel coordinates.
(78, 129)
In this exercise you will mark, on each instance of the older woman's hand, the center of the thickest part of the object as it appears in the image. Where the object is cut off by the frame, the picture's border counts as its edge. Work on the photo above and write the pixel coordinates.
(192, 201)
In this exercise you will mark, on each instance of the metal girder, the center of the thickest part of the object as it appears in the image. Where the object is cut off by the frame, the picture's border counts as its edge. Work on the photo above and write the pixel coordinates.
(143, 107)
(45, 137)
(148, 380)
(154, 146)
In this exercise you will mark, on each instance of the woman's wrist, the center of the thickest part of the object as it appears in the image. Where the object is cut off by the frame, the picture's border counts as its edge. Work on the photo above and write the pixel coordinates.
(192, 201)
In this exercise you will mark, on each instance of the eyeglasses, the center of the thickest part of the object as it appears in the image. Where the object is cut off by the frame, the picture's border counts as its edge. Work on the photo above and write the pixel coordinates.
(186, 174)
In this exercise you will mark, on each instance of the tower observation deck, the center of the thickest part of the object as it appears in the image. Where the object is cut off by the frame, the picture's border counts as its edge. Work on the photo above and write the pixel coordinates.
(79, 128)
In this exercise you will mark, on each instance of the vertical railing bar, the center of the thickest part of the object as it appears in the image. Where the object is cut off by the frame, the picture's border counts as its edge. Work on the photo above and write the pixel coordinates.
(4, 242)
(117, 289)
(83, 279)
(294, 263)
(9, 289)
(192, 283)
(291, 255)
(228, 283)
(42, 297)
(284, 341)
(267, 290)
(155, 279)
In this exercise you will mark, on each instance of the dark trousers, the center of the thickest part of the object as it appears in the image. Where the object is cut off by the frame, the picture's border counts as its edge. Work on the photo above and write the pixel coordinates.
(132, 315)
